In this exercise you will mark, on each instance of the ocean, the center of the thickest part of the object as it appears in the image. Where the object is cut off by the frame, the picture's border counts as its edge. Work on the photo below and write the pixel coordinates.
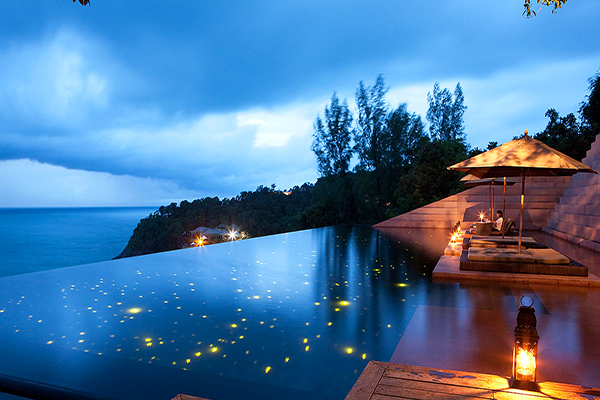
(37, 239)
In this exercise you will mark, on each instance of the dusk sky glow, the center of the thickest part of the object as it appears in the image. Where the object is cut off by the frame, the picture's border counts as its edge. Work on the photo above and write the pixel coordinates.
(145, 103)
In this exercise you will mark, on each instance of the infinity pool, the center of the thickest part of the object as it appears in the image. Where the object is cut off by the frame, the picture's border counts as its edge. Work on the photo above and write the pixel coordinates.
(279, 317)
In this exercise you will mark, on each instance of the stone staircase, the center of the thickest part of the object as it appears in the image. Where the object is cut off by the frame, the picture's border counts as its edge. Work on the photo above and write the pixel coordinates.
(541, 197)
(576, 217)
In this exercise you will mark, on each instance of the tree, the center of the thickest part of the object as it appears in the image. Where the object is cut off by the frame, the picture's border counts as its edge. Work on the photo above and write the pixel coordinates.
(385, 143)
(428, 180)
(331, 143)
(371, 124)
(528, 12)
(445, 115)
(590, 109)
(566, 135)
(403, 133)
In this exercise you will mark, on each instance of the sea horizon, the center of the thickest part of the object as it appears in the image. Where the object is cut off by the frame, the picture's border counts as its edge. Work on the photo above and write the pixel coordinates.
(41, 238)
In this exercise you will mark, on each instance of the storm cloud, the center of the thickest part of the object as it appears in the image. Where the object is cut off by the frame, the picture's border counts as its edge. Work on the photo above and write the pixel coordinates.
(189, 99)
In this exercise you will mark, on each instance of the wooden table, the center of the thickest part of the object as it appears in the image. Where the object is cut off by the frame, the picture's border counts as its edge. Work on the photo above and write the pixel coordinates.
(386, 381)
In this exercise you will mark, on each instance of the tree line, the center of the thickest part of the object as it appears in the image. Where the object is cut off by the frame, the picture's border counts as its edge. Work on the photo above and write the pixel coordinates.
(373, 164)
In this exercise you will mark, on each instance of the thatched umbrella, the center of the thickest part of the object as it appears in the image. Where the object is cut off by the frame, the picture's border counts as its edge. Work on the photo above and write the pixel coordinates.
(522, 157)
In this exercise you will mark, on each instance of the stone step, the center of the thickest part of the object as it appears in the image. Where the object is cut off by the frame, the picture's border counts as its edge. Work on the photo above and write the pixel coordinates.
(430, 217)
(595, 146)
(417, 224)
(592, 160)
(590, 180)
(588, 244)
(511, 206)
(589, 199)
(587, 209)
(581, 231)
(551, 198)
(592, 221)
(434, 211)
(583, 190)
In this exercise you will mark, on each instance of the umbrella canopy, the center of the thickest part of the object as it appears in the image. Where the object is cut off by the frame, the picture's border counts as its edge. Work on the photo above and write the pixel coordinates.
(522, 157)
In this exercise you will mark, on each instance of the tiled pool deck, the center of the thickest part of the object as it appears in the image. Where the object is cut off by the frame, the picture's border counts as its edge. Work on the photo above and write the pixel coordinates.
(474, 332)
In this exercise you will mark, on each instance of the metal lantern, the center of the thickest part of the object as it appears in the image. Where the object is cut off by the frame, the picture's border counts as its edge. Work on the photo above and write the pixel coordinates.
(524, 371)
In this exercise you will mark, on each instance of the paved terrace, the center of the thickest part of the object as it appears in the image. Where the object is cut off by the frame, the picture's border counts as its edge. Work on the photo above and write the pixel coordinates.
(472, 329)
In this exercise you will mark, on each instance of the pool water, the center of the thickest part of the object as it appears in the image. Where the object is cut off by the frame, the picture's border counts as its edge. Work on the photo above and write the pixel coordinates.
(285, 316)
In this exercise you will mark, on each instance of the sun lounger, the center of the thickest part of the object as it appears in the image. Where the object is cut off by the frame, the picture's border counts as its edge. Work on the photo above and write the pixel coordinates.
(530, 261)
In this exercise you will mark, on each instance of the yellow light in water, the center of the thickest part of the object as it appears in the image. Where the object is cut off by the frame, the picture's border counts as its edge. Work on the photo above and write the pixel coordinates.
(241, 337)
(257, 297)
(287, 359)
(364, 356)
(305, 340)
(345, 303)
(401, 284)
(349, 350)
(49, 342)
(329, 323)
(234, 325)
(148, 339)
(149, 344)
(198, 354)
(317, 303)
(337, 309)
(267, 370)
(188, 361)
(214, 349)
(306, 348)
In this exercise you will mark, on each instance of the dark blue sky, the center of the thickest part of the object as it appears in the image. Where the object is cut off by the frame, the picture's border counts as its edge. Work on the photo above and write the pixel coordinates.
(143, 103)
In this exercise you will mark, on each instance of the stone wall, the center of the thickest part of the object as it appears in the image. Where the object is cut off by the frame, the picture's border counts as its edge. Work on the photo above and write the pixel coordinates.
(576, 217)
(541, 196)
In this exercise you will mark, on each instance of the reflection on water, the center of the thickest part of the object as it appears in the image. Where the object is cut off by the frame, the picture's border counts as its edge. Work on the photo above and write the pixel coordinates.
(304, 310)
(289, 316)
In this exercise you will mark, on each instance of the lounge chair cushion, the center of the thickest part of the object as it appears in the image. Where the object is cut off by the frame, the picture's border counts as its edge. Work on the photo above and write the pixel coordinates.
(492, 241)
(499, 255)
(548, 256)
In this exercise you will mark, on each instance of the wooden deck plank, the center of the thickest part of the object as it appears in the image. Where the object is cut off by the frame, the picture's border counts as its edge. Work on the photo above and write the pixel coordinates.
(456, 378)
(419, 394)
(367, 381)
(387, 381)
(437, 387)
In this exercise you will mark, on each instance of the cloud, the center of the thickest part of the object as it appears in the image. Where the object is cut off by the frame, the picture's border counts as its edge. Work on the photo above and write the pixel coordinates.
(27, 183)
(53, 83)
(504, 103)
(226, 101)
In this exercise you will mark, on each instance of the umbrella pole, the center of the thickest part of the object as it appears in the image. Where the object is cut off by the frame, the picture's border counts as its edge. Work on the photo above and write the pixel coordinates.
(493, 204)
(504, 205)
(490, 195)
(522, 201)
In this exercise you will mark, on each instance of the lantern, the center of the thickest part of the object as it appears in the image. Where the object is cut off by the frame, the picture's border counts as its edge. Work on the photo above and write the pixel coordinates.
(524, 371)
